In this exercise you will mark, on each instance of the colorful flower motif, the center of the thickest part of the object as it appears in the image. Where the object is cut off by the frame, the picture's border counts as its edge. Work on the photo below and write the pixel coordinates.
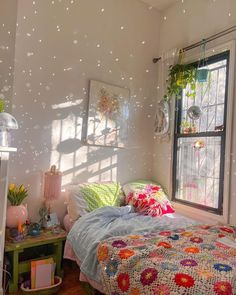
(164, 244)
(126, 253)
(119, 244)
(188, 262)
(162, 289)
(112, 267)
(227, 230)
(223, 288)
(187, 234)
(184, 280)
(214, 230)
(134, 237)
(222, 267)
(172, 252)
(156, 256)
(205, 274)
(192, 250)
(136, 243)
(196, 240)
(102, 253)
(169, 266)
(123, 282)
(174, 237)
(202, 232)
(135, 263)
(233, 252)
(135, 291)
(154, 241)
(223, 246)
(207, 247)
(165, 233)
(221, 255)
(205, 226)
(148, 276)
(180, 230)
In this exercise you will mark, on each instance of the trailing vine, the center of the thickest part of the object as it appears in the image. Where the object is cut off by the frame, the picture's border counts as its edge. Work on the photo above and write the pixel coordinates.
(181, 75)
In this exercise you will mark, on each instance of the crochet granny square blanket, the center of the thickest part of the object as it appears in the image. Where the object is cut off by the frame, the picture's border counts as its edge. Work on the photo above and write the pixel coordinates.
(199, 260)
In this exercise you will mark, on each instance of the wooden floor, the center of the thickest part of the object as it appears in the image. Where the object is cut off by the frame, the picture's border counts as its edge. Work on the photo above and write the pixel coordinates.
(71, 284)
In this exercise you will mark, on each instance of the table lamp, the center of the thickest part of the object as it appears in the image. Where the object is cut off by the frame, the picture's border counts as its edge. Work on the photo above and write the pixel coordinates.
(52, 185)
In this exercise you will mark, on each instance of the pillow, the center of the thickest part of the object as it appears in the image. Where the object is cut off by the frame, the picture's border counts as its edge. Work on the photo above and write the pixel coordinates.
(148, 198)
(84, 198)
(138, 185)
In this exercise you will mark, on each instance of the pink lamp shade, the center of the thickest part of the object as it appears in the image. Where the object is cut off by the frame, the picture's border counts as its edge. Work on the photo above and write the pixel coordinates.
(52, 184)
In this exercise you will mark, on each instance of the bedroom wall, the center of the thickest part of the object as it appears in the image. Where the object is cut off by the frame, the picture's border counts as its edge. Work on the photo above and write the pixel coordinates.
(183, 24)
(60, 46)
(7, 48)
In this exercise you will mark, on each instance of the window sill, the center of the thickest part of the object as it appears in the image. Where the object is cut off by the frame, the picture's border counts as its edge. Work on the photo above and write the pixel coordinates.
(198, 214)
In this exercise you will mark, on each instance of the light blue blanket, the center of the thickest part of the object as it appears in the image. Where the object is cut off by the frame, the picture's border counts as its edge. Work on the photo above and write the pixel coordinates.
(107, 222)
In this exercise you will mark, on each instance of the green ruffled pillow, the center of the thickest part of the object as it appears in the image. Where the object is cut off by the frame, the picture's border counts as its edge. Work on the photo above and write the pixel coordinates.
(87, 197)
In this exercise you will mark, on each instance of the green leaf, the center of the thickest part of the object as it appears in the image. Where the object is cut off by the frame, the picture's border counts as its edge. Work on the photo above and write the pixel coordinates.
(2, 105)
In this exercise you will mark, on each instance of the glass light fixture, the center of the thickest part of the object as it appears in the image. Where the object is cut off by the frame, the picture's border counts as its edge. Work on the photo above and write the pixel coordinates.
(7, 123)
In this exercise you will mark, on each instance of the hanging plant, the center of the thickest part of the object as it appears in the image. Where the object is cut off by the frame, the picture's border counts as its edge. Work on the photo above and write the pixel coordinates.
(2, 105)
(202, 73)
(181, 75)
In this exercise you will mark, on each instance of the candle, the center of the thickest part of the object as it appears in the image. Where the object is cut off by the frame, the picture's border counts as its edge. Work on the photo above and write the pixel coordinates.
(19, 228)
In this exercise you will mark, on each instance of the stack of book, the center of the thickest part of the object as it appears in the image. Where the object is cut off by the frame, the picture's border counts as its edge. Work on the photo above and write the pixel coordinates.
(42, 273)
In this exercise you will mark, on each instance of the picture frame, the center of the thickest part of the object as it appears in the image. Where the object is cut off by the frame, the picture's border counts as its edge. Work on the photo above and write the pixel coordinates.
(108, 115)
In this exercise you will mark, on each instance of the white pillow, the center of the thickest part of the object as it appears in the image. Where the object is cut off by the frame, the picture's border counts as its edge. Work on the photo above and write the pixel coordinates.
(76, 206)
(86, 197)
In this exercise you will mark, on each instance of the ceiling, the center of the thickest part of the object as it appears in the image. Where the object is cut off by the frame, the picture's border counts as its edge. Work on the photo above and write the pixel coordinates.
(160, 4)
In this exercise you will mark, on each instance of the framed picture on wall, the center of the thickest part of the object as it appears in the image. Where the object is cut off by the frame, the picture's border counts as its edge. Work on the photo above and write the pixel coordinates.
(108, 115)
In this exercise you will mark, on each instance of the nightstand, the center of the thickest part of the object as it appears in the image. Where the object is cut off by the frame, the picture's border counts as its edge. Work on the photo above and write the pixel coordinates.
(21, 254)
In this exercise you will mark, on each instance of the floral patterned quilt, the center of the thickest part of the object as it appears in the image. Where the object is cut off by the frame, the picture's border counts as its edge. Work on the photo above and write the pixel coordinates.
(195, 261)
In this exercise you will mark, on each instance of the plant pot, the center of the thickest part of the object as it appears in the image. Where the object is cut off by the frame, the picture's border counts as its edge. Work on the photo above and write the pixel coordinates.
(16, 215)
(202, 75)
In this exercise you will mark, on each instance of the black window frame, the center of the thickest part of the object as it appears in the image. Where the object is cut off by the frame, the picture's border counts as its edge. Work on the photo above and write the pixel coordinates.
(177, 134)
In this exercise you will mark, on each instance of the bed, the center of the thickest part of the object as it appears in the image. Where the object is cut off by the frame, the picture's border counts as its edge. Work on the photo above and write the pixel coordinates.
(120, 251)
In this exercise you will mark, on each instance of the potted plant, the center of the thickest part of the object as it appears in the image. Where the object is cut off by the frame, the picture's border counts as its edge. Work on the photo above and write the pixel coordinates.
(17, 212)
(202, 71)
(188, 127)
(181, 75)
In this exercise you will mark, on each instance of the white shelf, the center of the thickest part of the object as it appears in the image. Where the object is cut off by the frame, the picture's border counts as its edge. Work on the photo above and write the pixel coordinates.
(7, 149)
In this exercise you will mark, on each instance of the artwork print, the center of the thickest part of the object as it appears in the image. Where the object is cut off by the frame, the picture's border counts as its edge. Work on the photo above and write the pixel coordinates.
(108, 115)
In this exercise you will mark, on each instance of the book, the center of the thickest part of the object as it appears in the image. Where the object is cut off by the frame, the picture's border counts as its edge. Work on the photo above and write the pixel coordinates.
(42, 273)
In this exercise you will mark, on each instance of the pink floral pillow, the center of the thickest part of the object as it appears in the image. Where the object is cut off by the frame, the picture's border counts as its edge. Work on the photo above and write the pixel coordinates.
(150, 201)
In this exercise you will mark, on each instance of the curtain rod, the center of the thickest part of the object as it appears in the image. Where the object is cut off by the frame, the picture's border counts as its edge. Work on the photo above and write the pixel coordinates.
(204, 41)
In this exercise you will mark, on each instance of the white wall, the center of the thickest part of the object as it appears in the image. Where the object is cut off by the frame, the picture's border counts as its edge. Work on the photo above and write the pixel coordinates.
(8, 12)
(181, 25)
(59, 47)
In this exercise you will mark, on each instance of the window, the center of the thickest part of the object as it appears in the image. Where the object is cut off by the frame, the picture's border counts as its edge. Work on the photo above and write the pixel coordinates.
(199, 144)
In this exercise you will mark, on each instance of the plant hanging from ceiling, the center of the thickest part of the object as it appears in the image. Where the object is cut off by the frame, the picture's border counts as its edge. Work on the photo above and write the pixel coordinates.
(2, 105)
(179, 77)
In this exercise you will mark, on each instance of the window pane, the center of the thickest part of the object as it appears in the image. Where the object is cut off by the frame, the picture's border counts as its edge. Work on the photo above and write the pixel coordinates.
(210, 97)
(198, 170)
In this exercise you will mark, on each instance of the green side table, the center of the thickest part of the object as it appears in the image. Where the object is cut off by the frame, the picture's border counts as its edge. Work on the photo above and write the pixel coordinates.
(17, 251)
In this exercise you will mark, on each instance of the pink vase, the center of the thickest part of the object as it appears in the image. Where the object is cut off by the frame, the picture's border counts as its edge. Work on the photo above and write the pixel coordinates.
(16, 215)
